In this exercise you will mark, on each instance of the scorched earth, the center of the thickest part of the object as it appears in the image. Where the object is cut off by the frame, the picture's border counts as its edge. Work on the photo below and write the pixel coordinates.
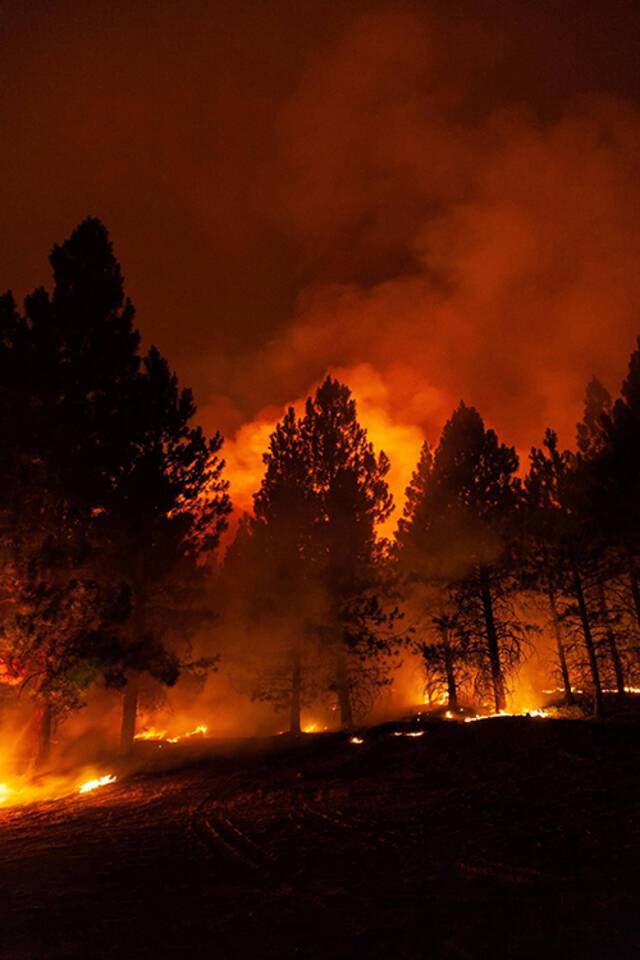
(512, 837)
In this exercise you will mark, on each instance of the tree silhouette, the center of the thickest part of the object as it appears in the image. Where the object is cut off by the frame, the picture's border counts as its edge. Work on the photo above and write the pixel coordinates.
(348, 482)
(615, 477)
(478, 497)
(169, 508)
(432, 564)
(557, 489)
(311, 549)
(280, 558)
(75, 351)
(105, 476)
(591, 438)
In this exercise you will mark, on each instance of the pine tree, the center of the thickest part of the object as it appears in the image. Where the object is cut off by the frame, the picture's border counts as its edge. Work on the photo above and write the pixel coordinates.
(286, 516)
(615, 478)
(313, 549)
(591, 438)
(591, 430)
(544, 557)
(112, 480)
(349, 484)
(75, 352)
(168, 510)
(427, 552)
(478, 498)
(557, 490)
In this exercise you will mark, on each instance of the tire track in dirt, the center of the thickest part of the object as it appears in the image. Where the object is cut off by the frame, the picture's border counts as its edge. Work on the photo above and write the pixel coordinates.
(222, 838)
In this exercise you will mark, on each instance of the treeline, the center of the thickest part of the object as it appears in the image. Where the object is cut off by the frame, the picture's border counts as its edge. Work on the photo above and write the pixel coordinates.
(109, 494)
(482, 562)
(112, 503)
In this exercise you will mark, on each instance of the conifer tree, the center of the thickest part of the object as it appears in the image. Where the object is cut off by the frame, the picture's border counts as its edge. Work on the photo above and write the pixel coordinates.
(76, 353)
(429, 558)
(556, 487)
(591, 438)
(615, 476)
(478, 497)
(349, 484)
(112, 478)
(313, 539)
(544, 558)
(169, 509)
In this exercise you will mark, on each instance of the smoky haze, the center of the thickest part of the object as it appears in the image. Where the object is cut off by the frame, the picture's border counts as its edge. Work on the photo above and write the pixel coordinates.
(435, 200)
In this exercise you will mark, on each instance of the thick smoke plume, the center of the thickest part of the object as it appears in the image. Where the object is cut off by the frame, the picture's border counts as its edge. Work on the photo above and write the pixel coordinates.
(457, 244)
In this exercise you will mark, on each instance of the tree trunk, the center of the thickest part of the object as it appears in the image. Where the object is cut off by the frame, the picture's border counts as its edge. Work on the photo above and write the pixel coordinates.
(452, 690)
(344, 694)
(635, 587)
(129, 711)
(562, 657)
(130, 698)
(611, 642)
(588, 640)
(497, 678)
(44, 735)
(296, 674)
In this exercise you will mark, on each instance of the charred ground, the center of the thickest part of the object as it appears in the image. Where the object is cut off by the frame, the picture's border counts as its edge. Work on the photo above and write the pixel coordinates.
(509, 837)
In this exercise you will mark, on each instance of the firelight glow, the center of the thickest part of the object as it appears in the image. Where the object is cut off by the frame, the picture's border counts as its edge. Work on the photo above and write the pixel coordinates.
(95, 784)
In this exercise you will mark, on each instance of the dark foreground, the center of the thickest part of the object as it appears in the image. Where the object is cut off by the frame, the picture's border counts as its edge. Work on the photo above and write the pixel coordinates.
(503, 838)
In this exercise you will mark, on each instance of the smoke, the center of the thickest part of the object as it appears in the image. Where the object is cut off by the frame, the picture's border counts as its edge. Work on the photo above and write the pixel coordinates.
(445, 193)
(457, 243)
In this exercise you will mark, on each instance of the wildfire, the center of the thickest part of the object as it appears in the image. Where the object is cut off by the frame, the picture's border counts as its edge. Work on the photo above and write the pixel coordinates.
(24, 790)
(356, 740)
(314, 728)
(504, 713)
(152, 733)
(94, 784)
(199, 731)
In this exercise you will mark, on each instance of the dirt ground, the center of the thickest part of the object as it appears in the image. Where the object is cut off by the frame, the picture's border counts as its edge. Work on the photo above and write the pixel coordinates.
(504, 838)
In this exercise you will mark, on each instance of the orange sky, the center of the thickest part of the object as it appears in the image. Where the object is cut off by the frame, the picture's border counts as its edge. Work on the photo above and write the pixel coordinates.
(437, 200)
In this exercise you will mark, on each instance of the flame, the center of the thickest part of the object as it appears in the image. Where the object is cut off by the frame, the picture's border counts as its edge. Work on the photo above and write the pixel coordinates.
(314, 727)
(544, 714)
(98, 782)
(152, 733)
(356, 740)
(24, 790)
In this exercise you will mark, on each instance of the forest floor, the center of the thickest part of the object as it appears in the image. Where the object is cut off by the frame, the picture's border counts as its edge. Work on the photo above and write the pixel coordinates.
(509, 837)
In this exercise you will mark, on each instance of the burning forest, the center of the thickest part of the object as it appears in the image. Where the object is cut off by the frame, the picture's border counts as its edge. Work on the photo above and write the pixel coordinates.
(344, 658)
